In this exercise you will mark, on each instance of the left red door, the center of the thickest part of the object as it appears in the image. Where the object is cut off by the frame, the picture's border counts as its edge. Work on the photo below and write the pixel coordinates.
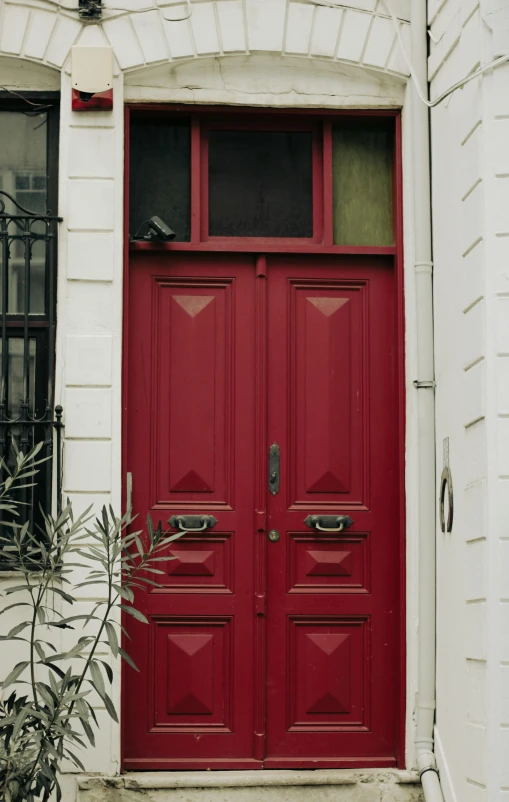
(191, 451)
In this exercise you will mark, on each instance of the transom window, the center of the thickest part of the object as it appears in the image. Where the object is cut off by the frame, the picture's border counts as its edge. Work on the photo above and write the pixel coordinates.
(275, 180)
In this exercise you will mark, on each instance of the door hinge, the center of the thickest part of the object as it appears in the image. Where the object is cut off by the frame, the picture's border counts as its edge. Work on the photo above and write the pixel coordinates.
(260, 520)
(259, 745)
(261, 266)
(260, 604)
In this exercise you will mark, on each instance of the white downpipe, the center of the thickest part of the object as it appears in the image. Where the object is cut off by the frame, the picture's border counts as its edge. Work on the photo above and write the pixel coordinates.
(425, 714)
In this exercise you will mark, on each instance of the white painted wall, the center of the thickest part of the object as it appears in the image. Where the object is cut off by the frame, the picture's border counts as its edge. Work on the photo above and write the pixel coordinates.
(470, 174)
(258, 52)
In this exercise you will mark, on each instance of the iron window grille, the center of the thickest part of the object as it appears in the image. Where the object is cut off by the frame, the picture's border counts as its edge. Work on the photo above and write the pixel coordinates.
(27, 415)
(29, 127)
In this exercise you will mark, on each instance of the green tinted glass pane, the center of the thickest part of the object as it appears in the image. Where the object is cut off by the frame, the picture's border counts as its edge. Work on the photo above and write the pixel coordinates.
(160, 175)
(362, 184)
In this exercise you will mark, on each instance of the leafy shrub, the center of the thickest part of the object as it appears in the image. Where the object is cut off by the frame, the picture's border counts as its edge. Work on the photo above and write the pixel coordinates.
(45, 714)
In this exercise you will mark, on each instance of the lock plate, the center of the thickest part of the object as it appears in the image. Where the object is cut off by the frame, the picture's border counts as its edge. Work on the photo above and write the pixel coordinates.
(274, 460)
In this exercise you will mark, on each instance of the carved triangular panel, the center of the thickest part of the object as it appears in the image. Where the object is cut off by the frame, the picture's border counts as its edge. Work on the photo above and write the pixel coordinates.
(190, 674)
(191, 483)
(327, 306)
(193, 304)
(329, 563)
(192, 563)
(328, 483)
(328, 673)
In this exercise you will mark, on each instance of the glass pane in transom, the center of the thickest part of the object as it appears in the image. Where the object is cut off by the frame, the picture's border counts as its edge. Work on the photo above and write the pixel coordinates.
(160, 175)
(362, 156)
(260, 184)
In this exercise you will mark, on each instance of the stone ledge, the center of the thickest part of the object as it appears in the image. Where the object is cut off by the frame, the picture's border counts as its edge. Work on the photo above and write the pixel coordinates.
(242, 779)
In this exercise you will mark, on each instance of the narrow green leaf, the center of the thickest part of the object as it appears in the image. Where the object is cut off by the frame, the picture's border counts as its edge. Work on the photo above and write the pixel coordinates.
(15, 673)
(112, 638)
(97, 678)
(107, 668)
(110, 707)
(88, 731)
(128, 659)
(135, 613)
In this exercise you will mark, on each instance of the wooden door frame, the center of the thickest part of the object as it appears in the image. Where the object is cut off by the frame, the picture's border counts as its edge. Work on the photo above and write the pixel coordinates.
(259, 247)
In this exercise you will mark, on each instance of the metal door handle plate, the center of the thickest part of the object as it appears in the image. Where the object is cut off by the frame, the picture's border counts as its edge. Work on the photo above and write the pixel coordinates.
(192, 523)
(330, 528)
(328, 523)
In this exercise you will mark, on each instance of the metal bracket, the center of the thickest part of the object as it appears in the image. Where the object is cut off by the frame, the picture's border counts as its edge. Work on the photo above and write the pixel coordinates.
(446, 485)
(424, 385)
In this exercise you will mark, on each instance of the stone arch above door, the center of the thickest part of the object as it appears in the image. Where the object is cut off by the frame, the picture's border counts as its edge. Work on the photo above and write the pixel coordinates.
(358, 32)
(264, 79)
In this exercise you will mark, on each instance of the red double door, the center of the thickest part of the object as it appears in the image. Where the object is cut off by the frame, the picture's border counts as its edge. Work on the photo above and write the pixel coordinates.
(262, 395)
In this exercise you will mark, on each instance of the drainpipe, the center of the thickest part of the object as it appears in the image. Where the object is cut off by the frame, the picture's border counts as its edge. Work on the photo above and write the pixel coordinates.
(425, 713)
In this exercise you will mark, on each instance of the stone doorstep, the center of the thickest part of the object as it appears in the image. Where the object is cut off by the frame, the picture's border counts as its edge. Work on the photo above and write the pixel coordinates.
(248, 779)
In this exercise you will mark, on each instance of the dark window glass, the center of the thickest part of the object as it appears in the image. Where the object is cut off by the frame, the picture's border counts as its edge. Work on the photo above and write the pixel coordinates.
(362, 184)
(28, 173)
(23, 174)
(160, 175)
(23, 158)
(22, 182)
(16, 387)
(260, 184)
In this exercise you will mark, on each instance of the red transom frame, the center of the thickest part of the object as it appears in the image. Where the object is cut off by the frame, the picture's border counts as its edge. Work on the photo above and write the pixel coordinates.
(314, 121)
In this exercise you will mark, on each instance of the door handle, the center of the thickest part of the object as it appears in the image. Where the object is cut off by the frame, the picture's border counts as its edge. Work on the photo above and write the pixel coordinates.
(192, 523)
(274, 468)
(328, 523)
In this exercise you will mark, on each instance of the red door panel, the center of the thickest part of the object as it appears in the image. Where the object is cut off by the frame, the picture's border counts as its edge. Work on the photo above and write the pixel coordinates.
(332, 597)
(191, 451)
(327, 390)
(265, 653)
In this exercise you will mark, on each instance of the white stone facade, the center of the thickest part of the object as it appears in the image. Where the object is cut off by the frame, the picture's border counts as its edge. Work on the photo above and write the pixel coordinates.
(282, 53)
(470, 136)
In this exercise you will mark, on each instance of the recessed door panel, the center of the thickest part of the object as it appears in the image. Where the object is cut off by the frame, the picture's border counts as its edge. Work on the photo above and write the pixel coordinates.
(327, 376)
(193, 347)
(328, 563)
(329, 688)
(192, 674)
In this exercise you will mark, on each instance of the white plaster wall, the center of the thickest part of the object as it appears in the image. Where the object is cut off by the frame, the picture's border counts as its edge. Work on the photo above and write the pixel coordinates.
(264, 52)
(470, 176)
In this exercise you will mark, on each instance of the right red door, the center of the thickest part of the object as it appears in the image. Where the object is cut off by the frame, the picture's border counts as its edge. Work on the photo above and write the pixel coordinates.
(333, 685)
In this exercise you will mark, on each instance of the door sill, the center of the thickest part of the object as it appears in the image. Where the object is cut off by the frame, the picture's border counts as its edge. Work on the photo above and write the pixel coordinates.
(272, 764)
(147, 780)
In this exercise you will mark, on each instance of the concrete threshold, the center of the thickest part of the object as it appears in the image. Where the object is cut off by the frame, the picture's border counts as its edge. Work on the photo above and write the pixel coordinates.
(248, 779)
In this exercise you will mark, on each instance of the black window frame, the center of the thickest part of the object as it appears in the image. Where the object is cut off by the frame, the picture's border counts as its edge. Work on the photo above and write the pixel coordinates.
(40, 421)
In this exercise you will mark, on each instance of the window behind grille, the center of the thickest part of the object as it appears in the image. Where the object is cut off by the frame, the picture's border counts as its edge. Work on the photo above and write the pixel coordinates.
(28, 231)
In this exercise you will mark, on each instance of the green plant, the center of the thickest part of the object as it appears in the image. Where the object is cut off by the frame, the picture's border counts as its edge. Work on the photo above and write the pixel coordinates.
(52, 717)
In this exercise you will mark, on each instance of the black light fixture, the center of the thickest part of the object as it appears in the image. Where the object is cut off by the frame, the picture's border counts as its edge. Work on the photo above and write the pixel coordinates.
(90, 9)
(157, 231)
